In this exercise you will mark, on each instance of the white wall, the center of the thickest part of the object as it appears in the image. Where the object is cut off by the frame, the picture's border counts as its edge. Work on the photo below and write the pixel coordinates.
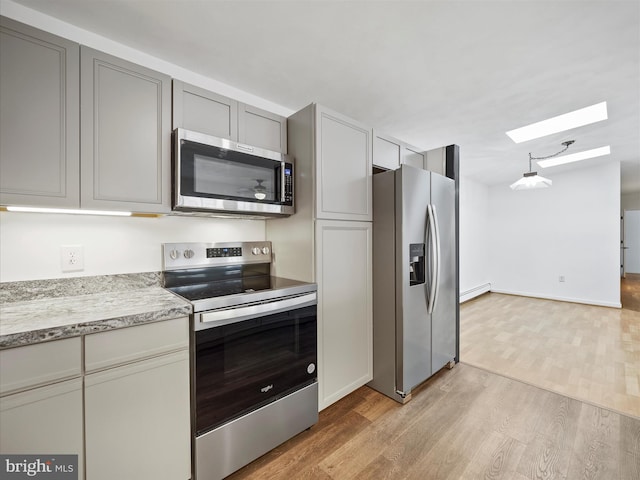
(474, 239)
(30, 243)
(630, 201)
(571, 229)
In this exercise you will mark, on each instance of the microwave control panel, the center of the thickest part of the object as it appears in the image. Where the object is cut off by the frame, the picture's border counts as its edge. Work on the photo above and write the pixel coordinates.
(288, 183)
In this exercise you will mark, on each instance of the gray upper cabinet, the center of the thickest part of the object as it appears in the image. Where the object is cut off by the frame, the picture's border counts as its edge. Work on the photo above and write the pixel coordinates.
(343, 167)
(414, 157)
(387, 151)
(200, 110)
(126, 135)
(261, 128)
(39, 118)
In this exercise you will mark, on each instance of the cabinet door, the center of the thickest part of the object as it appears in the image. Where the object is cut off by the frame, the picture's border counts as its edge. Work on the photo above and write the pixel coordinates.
(39, 364)
(345, 318)
(412, 156)
(197, 109)
(39, 118)
(44, 421)
(263, 129)
(126, 135)
(343, 167)
(387, 151)
(137, 420)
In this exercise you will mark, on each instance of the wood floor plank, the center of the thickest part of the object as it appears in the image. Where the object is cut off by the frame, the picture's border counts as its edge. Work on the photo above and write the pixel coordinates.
(348, 460)
(497, 458)
(596, 448)
(425, 430)
(459, 425)
(305, 451)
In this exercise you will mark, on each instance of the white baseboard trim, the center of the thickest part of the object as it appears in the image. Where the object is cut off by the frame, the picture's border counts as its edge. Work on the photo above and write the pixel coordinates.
(561, 299)
(474, 292)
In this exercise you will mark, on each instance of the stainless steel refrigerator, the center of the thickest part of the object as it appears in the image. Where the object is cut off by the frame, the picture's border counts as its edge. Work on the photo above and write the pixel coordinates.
(414, 278)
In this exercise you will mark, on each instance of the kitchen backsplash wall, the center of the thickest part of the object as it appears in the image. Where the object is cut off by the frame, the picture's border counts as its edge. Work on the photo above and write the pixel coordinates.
(30, 242)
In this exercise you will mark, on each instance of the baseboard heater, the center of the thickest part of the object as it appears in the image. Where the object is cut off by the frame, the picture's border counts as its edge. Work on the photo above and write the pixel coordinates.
(474, 292)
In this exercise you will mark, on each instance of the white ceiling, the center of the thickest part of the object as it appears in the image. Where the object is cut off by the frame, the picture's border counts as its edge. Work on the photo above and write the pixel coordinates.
(430, 73)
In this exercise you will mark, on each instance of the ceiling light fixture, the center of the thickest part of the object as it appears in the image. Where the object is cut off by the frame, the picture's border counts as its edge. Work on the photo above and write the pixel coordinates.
(531, 180)
(576, 157)
(567, 121)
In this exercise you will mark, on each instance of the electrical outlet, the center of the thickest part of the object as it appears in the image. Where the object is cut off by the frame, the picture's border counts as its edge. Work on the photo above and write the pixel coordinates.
(561, 278)
(72, 258)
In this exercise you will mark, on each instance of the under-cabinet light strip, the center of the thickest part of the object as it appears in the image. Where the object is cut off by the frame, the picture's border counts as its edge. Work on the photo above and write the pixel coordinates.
(67, 210)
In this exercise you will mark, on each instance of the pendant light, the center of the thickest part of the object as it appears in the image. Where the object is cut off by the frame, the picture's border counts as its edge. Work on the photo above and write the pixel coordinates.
(531, 180)
(259, 190)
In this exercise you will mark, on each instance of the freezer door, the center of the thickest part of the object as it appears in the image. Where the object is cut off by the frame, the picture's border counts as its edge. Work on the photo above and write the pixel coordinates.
(443, 318)
(413, 326)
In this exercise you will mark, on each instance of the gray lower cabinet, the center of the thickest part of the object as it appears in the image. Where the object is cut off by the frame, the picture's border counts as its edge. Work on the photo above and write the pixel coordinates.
(44, 421)
(126, 135)
(200, 110)
(137, 420)
(39, 118)
(137, 404)
(41, 400)
(343, 264)
(128, 416)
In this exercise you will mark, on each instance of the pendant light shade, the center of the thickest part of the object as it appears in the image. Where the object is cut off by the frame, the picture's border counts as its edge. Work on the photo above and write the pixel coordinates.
(530, 181)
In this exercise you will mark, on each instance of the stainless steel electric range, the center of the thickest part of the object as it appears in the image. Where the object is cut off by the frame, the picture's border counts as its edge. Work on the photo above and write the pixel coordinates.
(253, 351)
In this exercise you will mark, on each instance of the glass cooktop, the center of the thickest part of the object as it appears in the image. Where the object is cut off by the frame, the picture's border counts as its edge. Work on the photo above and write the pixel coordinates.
(237, 291)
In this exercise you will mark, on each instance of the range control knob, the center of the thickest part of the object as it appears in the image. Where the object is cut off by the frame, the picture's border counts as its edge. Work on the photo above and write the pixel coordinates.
(255, 251)
(174, 254)
(265, 250)
(188, 253)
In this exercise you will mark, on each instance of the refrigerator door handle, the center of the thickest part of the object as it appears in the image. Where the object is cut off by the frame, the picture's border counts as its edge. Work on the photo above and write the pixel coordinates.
(436, 241)
(433, 264)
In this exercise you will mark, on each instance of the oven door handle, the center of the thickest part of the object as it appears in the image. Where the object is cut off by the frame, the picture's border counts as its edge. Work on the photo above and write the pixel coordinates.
(233, 315)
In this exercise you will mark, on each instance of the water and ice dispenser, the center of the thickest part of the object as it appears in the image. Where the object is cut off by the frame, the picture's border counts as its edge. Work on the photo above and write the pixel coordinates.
(416, 263)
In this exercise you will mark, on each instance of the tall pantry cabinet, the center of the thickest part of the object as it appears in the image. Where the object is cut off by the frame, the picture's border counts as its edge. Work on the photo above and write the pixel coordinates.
(329, 241)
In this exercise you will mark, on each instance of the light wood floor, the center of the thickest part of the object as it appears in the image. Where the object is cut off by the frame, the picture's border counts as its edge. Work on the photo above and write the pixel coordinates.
(586, 352)
(630, 292)
(464, 423)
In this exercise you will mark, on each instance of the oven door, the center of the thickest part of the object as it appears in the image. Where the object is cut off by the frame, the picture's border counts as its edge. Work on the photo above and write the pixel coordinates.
(214, 174)
(250, 359)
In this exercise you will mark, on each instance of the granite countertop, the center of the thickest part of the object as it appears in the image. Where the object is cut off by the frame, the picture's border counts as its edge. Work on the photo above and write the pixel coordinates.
(37, 311)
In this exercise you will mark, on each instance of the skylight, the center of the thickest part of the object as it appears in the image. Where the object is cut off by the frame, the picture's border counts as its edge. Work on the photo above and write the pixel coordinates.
(575, 157)
(567, 121)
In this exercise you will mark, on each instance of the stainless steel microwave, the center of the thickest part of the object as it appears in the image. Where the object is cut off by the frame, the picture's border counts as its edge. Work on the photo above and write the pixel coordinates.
(217, 176)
